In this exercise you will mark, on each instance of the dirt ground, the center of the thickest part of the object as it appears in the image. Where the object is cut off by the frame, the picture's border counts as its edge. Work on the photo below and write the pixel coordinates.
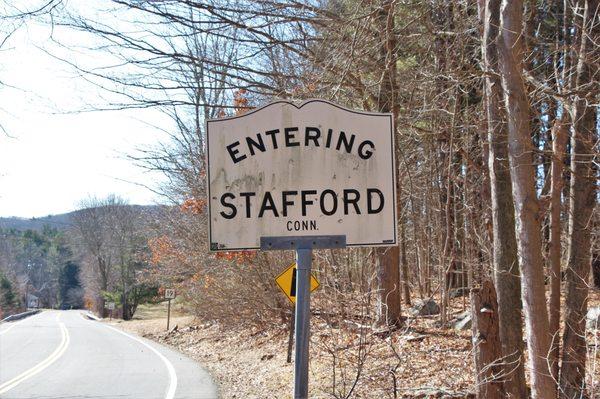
(420, 360)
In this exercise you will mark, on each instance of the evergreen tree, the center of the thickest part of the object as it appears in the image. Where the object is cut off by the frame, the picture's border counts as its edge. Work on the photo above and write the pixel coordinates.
(8, 297)
(70, 291)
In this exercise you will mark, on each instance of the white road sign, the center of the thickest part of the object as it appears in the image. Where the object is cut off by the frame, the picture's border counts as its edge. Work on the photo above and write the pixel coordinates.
(111, 306)
(310, 169)
(169, 293)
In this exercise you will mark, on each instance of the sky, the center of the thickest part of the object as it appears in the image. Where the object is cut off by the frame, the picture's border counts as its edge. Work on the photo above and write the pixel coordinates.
(52, 157)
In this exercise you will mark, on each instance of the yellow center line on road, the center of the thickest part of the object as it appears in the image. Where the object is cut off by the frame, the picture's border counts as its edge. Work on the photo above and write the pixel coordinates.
(54, 356)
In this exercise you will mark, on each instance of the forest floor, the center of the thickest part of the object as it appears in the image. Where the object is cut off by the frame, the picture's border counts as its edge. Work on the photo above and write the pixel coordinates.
(421, 360)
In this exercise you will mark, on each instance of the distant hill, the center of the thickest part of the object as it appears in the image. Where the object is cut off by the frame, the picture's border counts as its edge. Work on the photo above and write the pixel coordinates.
(61, 221)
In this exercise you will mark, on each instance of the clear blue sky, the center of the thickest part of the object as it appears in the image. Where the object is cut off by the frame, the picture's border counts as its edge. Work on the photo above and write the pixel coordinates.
(53, 159)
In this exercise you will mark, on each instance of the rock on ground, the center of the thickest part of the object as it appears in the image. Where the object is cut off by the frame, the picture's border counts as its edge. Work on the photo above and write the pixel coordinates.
(425, 307)
(593, 318)
(463, 321)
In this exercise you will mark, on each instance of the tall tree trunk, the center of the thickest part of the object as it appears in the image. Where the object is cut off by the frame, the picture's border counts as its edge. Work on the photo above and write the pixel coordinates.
(505, 259)
(582, 202)
(449, 254)
(528, 226)
(559, 145)
(404, 265)
(487, 350)
(388, 259)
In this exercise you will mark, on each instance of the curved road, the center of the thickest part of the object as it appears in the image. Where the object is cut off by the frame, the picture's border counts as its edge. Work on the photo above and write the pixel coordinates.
(62, 354)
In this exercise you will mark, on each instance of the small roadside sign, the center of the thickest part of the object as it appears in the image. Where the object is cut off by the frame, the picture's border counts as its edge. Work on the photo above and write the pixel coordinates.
(111, 306)
(287, 282)
(169, 294)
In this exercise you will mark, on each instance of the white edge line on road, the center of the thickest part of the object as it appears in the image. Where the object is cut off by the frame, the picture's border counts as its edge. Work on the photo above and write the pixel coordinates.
(54, 356)
(172, 375)
(11, 326)
(14, 324)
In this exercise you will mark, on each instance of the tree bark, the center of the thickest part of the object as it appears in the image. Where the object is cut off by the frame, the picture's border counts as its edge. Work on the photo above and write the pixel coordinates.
(487, 351)
(388, 259)
(582, 202)
(559, 145)
(505, 259)
(528, 226)
(404, 265)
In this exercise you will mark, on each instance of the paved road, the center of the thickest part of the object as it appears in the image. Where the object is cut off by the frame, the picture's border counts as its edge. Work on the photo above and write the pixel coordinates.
(62, 354)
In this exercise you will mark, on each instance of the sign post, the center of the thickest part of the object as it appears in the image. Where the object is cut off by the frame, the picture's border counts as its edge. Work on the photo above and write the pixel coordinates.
(168, 314)
(111, 307)
(303, 246)
(169, 294)
(303, 259)
(300, 177)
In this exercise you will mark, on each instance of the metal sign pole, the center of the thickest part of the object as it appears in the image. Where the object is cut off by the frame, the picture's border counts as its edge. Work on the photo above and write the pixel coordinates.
(303, 262)
(303, 246)
(168, 314)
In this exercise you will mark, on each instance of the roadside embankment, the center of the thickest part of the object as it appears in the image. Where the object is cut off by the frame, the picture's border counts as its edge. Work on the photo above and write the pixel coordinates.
(19, 316)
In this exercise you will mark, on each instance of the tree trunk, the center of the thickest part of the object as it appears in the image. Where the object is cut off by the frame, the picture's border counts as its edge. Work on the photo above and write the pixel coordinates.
(404, 265)
(582, 202)
(388, 259)
(487, 350)
(505, 259)
(528, 227)
(559, 145)
(579, 259)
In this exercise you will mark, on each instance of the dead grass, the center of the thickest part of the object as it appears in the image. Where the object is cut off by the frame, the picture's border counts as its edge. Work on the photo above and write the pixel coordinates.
(251, 363)
(424, 360)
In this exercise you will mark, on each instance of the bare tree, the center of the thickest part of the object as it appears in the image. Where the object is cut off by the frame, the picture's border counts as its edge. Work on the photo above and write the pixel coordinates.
(528, 228)
(505, 260)
(90, 229)
(582, 201)
(14, 15)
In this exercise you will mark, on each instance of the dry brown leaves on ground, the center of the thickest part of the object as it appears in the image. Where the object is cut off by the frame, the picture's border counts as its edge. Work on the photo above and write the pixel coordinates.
(420, 360)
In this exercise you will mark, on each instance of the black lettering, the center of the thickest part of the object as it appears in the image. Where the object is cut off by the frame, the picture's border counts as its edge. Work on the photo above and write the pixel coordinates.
(289, 225)
(305, 225)
(370, 208)
(305, 201)
(247, 196)
(272, 133)
(328, 142)
(322, 202)
(234, 151)
(312, 133)
(290, 135)
(366, 154)
(259, 145)
(285, 201)
(293, 287)
(342, 139)
(268, 205)
(228, 205)
(353, 201)
(296, 225)
(313, 225)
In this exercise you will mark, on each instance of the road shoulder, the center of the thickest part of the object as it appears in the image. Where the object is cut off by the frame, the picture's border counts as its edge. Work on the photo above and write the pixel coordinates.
(189, 372)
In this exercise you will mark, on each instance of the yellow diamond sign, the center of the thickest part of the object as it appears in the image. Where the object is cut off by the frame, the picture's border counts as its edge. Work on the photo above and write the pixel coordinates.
(287, 282)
